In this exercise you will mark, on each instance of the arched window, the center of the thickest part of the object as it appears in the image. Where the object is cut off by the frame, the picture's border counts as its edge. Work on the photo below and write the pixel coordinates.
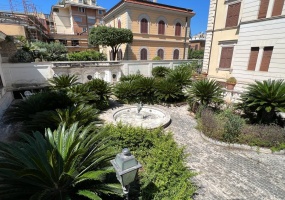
(177, 29)
(161, 27)
(120, 55)
(143, 54)
(111, 55)
(196, 47)
(160, 53)
(119, 24)
(176, 54)
(144, 25)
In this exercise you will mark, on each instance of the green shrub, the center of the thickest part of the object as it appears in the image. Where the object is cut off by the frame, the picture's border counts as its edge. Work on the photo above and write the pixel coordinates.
(195, 54)
(65, 164)
(232, 128)
(21, 56)
(265, 99)
(164, 174)
(166, 91)
(181, 76)
(160, 71)
(90, 55)
(145, 89)
(156, 58)
(53, 51)
(63, 81)
(125, 92)
(81, 94)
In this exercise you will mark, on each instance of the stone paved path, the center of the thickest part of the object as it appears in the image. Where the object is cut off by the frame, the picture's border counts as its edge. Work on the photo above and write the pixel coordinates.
(225, 173)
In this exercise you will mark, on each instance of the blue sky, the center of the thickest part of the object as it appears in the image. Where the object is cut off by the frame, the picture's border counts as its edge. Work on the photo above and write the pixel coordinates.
(198, 22)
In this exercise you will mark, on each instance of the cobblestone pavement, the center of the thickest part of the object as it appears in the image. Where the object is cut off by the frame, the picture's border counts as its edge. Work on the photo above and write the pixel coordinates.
(225, 173)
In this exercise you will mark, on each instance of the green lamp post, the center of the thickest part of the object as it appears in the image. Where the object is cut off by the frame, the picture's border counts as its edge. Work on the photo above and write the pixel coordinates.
(126, 167)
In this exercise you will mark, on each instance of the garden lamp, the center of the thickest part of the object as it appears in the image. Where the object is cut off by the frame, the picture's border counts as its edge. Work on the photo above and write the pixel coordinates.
(126, 167)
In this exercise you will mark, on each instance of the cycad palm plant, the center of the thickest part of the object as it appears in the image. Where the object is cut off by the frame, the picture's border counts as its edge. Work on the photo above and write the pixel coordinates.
(63, 81)
(166, 91)
(265, 98)
(181, 76)
(144, 88)
(204, 92)
(65, 164)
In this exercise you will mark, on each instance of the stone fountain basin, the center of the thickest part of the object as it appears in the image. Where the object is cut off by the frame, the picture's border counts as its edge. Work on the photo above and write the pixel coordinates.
(149, 117)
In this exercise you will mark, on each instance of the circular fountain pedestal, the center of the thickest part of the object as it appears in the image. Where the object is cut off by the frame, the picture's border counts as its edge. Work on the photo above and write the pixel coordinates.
(148, 117)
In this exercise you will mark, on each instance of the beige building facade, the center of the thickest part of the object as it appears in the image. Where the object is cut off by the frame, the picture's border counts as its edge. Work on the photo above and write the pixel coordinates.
(158, 29)
(245, 40)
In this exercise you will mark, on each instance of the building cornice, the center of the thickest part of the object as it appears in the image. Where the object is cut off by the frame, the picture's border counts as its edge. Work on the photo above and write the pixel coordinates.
(263, 19)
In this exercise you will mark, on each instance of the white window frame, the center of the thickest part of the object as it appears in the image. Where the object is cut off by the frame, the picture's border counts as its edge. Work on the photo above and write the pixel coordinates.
(80, 9)
(226, 44)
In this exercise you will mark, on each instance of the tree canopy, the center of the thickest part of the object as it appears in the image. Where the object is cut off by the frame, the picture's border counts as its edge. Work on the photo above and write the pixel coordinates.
(109, 36)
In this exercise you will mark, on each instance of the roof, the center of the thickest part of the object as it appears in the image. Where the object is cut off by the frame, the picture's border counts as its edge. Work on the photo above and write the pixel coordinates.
(151, 4)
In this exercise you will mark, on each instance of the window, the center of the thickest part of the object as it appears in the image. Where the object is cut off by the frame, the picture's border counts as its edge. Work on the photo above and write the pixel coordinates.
(263, 9)
(196, 47)
(253, 58)
(84, 29)
(278, 7)
(233, 15)
(178, 29)
(120, 55)
(161, 27)
(160, 53)
(64, 42)
(176, 54)
(144, 26)
(119, 24)
(93, 2)
(77, 19)
(81, 9)
(267, 53)
(226, 57)
(143, 54)
(111, 55)
(91, 20)
(55, 10)
(80, 1)
(75, 43)
(100, 12)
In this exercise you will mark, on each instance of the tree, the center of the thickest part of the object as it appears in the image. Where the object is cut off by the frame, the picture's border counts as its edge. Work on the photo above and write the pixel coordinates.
(51, 51)
(113, 37)
(195, 54)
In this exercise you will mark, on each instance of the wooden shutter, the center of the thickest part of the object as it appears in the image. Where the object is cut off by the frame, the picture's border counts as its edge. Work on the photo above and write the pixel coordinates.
(266, 59)
(119, 24)
(176, 54)
(120, 55)
(278, 7)
(144, 26)
(161, 27)
(160, 53)
(143, 54)
(178, 29)
(263, 9)
(253, 58)
(226, 57)
(233, 15)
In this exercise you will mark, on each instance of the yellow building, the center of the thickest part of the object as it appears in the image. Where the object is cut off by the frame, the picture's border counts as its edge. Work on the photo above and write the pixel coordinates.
(158, 29)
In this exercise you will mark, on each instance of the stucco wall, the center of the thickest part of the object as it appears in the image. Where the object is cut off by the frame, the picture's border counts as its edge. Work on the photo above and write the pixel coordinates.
(13, 30)
(62, 21)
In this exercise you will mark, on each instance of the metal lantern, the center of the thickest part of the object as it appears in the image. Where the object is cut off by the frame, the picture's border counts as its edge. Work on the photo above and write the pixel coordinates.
(126, 167)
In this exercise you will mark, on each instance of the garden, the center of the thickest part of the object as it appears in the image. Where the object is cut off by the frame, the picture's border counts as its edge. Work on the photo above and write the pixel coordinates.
(62, 149)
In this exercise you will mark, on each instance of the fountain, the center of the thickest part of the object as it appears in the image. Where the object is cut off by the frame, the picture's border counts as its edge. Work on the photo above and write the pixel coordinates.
(144, 116)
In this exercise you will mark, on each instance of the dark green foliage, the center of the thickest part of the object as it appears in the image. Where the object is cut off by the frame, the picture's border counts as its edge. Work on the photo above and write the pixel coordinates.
(233, 126)
(86, 56)
(144, 88)
(164, 175)
(156, 58)
(166, 91)
(81, 94)
(131, 77)
(21, 56)
(195, 54)
(63, 81)
(23, 111)
(262, 100)
(62, 165)
(160, 72)
(204, 92)
(109, 36)
(125, 91)
(181, 76)
(102, 89)
(53, 51)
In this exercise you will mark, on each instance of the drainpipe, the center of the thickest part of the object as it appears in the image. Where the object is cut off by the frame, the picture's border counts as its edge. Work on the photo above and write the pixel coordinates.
(186, 26)
(214, 25)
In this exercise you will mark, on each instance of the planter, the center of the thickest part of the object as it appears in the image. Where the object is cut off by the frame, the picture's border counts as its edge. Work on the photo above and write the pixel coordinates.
(205, 75)
(230, 86)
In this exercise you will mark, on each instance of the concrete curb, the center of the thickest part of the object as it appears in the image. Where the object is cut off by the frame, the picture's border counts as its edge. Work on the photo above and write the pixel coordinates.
(241, 146)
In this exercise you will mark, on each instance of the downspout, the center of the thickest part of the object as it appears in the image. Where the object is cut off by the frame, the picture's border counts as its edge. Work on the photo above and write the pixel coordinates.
(214, 24)
(186, 26)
